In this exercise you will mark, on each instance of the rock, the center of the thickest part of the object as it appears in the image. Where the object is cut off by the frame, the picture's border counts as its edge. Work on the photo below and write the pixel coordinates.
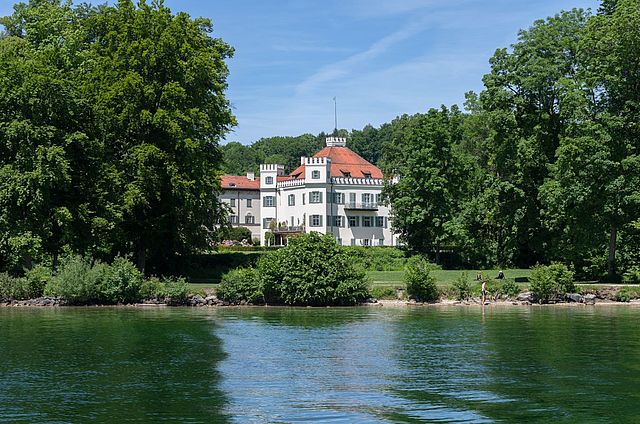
(575, 297)
(590, 299)
(526, 297)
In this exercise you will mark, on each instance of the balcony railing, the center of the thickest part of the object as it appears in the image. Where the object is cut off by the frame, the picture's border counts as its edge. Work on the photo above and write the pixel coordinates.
(291, 229)
(371, 206)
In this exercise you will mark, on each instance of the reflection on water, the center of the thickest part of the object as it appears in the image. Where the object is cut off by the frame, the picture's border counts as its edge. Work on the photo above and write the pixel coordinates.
(110, 365)
(320, 365)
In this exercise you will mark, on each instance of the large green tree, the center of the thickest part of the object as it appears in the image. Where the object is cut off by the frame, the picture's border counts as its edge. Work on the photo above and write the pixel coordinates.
(430, 178)
(129, 113)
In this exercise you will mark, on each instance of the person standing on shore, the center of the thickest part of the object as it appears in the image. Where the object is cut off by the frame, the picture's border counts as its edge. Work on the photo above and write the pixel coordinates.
(484, 292)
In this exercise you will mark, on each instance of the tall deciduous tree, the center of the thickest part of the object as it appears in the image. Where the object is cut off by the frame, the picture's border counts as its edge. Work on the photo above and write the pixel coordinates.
(430, 178)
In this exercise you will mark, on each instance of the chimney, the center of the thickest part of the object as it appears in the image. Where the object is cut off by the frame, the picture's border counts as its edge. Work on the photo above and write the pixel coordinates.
(251, 176)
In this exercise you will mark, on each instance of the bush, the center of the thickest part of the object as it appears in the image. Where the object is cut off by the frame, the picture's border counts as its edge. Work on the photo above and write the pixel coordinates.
(240, 285)
(421, 285)
(121, 282)
(78, 281)
(152, 289)
(623, 295)
(175, 291)
(37, 279)
(312, 270)
(462, 287)
(551, 282)
(509, 289)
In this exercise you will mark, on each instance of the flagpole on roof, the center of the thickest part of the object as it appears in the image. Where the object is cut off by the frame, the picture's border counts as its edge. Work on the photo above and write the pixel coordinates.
(335, 115)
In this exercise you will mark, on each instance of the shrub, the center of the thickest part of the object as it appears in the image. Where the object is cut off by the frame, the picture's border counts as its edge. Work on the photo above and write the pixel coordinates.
(239, 285)
(462, 287)
(121, 282)
(175, 291)
(78, 281)
(509, 289)
(623, 295)
(152, 288)
(551, 282)
(37, 279)
(312, 270)
(421, 285)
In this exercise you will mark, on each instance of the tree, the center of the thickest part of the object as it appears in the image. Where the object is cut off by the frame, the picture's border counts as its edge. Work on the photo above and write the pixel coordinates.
(527, 103)
(430, 178)
(129, 109)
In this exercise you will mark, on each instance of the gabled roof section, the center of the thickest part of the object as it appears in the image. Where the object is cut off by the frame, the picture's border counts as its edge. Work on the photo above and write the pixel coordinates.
(239, 182)
(345, 162)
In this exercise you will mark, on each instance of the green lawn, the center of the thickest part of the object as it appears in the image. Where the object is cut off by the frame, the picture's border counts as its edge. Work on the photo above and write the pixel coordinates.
(444, 277)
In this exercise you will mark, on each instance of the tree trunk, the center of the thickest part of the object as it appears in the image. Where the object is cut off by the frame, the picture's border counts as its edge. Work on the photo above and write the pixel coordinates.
(438, 254)
(611, 273)
(141, 255)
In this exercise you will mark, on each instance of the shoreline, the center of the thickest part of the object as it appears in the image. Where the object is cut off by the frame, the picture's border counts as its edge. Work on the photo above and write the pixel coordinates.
(387, 303)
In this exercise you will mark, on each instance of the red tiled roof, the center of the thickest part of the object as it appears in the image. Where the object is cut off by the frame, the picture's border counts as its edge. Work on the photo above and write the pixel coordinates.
(236, 182)
(283, 178)
(345, 161)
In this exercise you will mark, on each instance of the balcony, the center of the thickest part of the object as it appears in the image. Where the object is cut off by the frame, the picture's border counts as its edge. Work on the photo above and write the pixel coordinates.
(289, 230)
(372, 206)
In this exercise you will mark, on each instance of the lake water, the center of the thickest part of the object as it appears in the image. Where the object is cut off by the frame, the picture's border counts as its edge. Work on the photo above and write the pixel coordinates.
(379, 365)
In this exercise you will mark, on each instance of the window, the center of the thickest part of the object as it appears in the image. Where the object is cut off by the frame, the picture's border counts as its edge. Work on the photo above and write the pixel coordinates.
(233, 219)
(269, 201)
(292, 200)
(381, 242)
(352, 198)
(266, 222)
(338, 221)
(353, 242)
(354, 221)
(346, 174)
(249, 219)
(248, 203)
(366, 198)
(315, 197)
(232, 203)
(316, 221)
(380, 221)
(367, 174)
(303, 198)
(365, 242)
(367, 221)
(315, 175)
(338, 198)
(378, 196)
(268, 180)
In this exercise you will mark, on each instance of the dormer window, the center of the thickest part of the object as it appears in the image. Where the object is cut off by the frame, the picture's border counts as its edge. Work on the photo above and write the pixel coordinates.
(232, 184)
(367, 174)
(346, 174)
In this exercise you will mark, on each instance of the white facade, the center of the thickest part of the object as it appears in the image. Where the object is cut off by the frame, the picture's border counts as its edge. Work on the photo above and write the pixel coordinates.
(346, 207)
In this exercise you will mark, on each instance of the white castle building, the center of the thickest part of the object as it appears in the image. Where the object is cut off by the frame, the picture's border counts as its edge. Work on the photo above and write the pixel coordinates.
(334, 192)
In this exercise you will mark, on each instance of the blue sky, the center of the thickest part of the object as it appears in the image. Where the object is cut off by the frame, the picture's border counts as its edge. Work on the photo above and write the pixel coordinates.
(380, 58)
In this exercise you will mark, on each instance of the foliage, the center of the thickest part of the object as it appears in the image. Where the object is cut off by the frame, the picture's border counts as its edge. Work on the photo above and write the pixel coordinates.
(551, 282)
(421, 285)
(632, 275)
(377, 258)
(241, 284)
(16, 288)
(311, 270)
(121, 282)
(78, 281)
(509, 289)
(110, 118)
(175, 291)
(236, 234)
(462, 287)
(623, 295)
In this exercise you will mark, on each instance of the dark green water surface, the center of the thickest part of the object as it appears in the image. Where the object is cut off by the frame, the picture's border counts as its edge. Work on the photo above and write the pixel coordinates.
(320, 365)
